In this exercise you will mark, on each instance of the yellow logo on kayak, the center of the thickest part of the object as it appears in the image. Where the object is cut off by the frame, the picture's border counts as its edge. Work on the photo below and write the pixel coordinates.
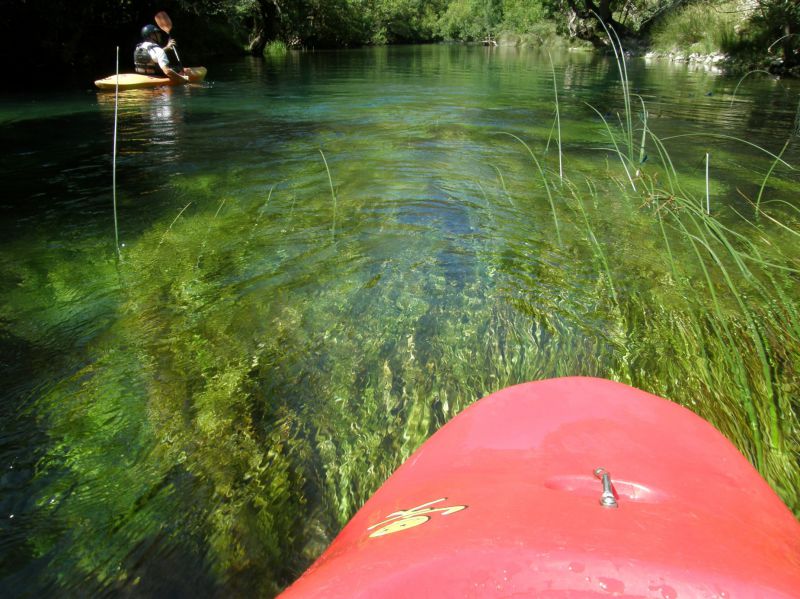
(404, 519)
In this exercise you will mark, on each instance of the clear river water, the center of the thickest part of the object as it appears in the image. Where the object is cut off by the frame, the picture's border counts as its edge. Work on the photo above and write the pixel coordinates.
(325, 256)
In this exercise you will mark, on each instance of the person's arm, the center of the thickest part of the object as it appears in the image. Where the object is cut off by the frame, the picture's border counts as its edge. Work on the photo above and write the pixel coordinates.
(175, 76)
(160, 57)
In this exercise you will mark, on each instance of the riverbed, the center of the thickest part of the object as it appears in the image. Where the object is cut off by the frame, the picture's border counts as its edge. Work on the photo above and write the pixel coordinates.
(323, 257)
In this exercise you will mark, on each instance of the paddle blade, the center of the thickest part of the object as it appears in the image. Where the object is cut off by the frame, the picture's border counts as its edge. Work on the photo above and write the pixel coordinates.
(163, 21)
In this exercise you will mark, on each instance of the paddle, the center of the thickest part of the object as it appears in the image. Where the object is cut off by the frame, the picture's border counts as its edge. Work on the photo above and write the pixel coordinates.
(165, 23)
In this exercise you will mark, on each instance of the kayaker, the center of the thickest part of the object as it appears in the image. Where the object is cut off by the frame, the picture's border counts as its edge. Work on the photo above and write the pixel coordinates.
(151, 59)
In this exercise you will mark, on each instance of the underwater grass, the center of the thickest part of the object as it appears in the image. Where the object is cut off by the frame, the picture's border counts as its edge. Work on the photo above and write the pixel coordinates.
(250, 396)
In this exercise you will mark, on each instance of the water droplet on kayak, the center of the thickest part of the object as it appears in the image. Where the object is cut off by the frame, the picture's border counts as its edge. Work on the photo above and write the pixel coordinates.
(612, 585)
(667, 592)
(576, 567)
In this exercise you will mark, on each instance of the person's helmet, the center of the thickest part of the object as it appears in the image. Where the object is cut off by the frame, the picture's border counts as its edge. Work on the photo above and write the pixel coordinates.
(149, 31)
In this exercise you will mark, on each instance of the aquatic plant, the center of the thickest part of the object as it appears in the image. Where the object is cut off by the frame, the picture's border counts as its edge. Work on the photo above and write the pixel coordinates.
(276, 352)
(276, 49)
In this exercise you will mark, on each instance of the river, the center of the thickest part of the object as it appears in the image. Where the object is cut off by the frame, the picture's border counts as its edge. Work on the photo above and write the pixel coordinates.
(325, 256)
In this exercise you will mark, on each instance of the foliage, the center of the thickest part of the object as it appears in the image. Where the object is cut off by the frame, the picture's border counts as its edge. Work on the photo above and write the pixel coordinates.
(393, 21)
(521, 16)
(275, 49)
(758, 33)
(81, 38)
(775, 24)
(323, 22)
(465, 19)
(700, 27)
(478, 19)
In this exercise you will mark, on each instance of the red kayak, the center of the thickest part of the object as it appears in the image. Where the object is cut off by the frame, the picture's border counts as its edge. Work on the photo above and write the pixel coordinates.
(567, 488)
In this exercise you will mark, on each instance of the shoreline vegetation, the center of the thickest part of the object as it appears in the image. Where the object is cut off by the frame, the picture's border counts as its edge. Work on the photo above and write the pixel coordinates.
(78, 43)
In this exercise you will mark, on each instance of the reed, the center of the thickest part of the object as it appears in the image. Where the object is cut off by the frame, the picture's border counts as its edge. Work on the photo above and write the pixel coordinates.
(558, 118)
(741, 80)
(597, 247)
(643, 144)
(622, 67)
(708, 185)
(775, 162)
(749, 305)
(333, 193)
(114, 157)
(544, 182)
(172, 224)
(623, 158)
(722, 136)
(503, 184)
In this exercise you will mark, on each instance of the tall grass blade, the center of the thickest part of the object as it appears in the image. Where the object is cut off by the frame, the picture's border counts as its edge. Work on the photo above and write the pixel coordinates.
(544, 180)
(642, 154)
(114, 158)
(333, 193)
(597, 248)
(732, 138)
(745, 76)
(503, 184)
(174, 220)
(727, 340)
(558, 119)
(619, 56)
(708, 190)
(619, 152)
(766, 178)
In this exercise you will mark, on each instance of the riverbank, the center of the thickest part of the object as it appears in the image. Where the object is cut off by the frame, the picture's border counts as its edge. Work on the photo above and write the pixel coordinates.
(716, 60)
(727, 63)
(734, 36)
(722, 62)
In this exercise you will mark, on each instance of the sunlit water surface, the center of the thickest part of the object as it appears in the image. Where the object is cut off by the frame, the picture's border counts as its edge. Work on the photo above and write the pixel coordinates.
(323, 258)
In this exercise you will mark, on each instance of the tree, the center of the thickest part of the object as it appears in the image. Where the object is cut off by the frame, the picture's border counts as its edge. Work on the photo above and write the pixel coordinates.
(470, 19)
(586, 20)
(258, 21)
(781, 21)
(392, 21)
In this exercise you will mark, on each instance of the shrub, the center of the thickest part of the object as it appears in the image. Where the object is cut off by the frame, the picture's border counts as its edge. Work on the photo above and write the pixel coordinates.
(275, 49)
(704, 27)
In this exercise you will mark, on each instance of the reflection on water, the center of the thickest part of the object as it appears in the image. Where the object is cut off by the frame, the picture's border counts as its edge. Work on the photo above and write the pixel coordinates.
(153, 116)
(201, 417)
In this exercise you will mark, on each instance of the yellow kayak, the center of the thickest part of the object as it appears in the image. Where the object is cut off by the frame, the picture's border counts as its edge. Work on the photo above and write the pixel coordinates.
(137, 81)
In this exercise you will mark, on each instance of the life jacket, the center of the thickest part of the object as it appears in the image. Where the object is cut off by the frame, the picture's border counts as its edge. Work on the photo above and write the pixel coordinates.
(144, 64)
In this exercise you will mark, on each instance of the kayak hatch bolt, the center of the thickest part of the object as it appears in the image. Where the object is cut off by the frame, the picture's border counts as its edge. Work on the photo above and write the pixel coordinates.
(607, 498)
